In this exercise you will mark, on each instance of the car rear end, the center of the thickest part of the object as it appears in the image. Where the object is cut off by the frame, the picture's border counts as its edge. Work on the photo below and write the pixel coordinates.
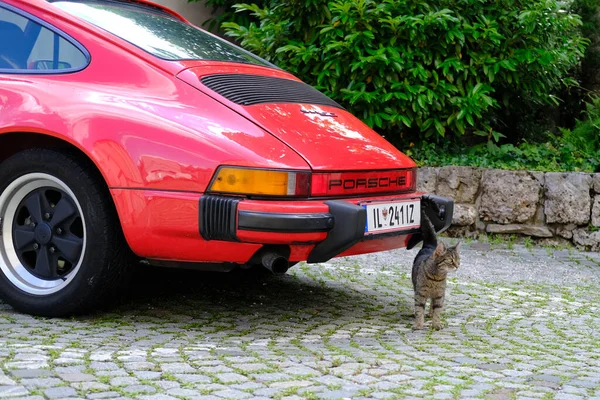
(315, 216)
(358, 196)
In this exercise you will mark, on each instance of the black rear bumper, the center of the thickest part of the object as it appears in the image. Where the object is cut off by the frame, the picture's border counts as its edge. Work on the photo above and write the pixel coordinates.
(350, 220)
(345, 223)
(439, 210)
(348, 229)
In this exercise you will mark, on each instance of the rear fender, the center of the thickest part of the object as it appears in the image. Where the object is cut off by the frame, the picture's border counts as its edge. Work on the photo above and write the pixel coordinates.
(141, 142)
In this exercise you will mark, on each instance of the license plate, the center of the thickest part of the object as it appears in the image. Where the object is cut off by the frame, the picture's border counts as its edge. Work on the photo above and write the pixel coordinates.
(392, 216)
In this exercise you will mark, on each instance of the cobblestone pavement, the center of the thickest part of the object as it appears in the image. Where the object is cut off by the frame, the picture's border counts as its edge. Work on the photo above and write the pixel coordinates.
(521, 323)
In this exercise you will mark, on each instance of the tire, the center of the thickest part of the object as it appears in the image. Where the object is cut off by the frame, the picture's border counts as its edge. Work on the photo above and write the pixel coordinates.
(62, 250)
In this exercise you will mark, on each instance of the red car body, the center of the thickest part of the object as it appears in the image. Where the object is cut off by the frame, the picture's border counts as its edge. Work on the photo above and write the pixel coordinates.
(158, 133)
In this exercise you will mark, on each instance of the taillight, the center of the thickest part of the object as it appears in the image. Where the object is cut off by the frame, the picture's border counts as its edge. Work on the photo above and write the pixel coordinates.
(366, 182)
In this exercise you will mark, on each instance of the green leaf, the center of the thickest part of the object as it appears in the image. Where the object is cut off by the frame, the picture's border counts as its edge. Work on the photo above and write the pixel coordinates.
(470, 120)
(405, 120)
(427, 124)
(287, 48)
(497, 135)
(439, 127)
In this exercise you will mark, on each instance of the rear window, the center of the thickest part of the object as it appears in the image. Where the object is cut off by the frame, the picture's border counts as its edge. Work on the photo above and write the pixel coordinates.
(157, 32)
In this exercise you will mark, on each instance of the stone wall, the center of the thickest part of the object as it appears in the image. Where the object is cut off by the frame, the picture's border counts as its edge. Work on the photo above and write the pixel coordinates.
(553, 206)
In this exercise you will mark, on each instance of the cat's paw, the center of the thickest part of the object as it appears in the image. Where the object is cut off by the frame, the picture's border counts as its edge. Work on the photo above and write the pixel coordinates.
(417, 326)
(437, 325)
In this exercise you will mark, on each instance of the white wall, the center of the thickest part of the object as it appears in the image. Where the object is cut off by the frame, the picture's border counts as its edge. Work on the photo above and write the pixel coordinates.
(195, 12)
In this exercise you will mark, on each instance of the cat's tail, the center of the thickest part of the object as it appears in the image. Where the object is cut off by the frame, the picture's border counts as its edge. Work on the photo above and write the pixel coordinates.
(428, 232)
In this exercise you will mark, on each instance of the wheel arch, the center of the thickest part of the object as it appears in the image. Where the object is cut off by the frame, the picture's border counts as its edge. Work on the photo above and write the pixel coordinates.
(14, 142)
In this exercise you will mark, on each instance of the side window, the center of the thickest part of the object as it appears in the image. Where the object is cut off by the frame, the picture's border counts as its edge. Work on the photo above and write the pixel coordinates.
(27, 45)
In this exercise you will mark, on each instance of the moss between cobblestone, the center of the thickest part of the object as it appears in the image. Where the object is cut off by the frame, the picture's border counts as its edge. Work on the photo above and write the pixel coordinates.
(360, 316)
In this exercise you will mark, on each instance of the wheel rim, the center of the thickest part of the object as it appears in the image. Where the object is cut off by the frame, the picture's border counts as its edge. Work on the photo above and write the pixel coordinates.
(43, 234)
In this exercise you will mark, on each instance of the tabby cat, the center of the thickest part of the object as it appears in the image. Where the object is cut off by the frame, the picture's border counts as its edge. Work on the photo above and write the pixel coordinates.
(431, 265)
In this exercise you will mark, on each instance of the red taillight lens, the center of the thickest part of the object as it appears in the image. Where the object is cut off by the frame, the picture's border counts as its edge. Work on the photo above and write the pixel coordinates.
(368, 182)
(302, 183)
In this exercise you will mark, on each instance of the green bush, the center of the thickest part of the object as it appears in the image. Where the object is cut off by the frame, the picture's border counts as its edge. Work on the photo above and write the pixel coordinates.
(570, 150)
(436, 67)
(589, 12)
(573, 100)
(222, 10)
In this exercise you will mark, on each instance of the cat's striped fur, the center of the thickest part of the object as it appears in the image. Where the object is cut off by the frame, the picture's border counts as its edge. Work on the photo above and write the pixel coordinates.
(430, 268)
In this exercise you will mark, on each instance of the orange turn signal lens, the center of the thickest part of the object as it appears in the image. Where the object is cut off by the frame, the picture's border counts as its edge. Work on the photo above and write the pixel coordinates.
(260, 182)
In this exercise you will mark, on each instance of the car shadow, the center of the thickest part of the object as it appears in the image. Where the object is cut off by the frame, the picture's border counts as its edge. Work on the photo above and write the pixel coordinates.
(172, 295)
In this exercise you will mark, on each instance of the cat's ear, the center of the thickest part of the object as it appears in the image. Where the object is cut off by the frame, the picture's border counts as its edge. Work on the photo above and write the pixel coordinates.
(457, 246)
(439, 250)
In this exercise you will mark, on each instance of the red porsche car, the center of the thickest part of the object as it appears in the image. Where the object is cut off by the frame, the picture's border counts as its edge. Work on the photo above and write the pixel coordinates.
(125, 130)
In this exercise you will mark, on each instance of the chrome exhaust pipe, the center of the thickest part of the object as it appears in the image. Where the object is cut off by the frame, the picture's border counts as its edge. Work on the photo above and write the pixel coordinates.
(275, 263)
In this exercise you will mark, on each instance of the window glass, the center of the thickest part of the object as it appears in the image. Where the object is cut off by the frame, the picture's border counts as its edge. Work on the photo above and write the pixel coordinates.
(9, 16)
(27, 45)
(157, 32)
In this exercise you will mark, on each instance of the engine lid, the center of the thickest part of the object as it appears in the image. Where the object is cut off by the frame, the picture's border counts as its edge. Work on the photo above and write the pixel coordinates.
(327, 136)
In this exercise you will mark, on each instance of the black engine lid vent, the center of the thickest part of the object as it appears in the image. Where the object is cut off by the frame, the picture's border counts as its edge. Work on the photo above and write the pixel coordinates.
(248, 90)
